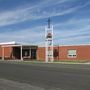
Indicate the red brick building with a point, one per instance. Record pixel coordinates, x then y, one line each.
13 51
74 52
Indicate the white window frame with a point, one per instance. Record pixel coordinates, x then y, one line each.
72 55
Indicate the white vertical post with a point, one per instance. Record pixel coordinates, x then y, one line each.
21 53
2 53
52 59
49 44
46 53
30 53
46 46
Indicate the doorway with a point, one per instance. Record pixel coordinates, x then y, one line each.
16 52
33 54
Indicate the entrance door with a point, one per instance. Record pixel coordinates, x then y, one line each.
33 53
16 52
25 54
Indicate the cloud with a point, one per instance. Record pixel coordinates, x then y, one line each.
36 12
35 35
25 36
72 31
79 33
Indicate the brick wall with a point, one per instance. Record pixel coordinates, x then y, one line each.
41 53
61 52
7 52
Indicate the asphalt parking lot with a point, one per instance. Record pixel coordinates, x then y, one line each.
47 76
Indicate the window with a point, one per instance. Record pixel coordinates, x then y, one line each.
72 53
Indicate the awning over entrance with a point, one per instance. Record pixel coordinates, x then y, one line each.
22 52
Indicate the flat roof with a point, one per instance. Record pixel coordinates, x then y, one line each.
5 43
76 45
14 44
19 45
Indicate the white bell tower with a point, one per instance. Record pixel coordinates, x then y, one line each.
49 42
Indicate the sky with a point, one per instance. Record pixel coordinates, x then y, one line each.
24 21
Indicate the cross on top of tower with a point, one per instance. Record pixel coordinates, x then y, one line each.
49 22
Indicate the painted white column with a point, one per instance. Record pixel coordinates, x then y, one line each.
21 53
46 57
52 58
49 45
2 53
30 53
46 46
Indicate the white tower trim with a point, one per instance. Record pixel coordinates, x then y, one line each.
49 43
